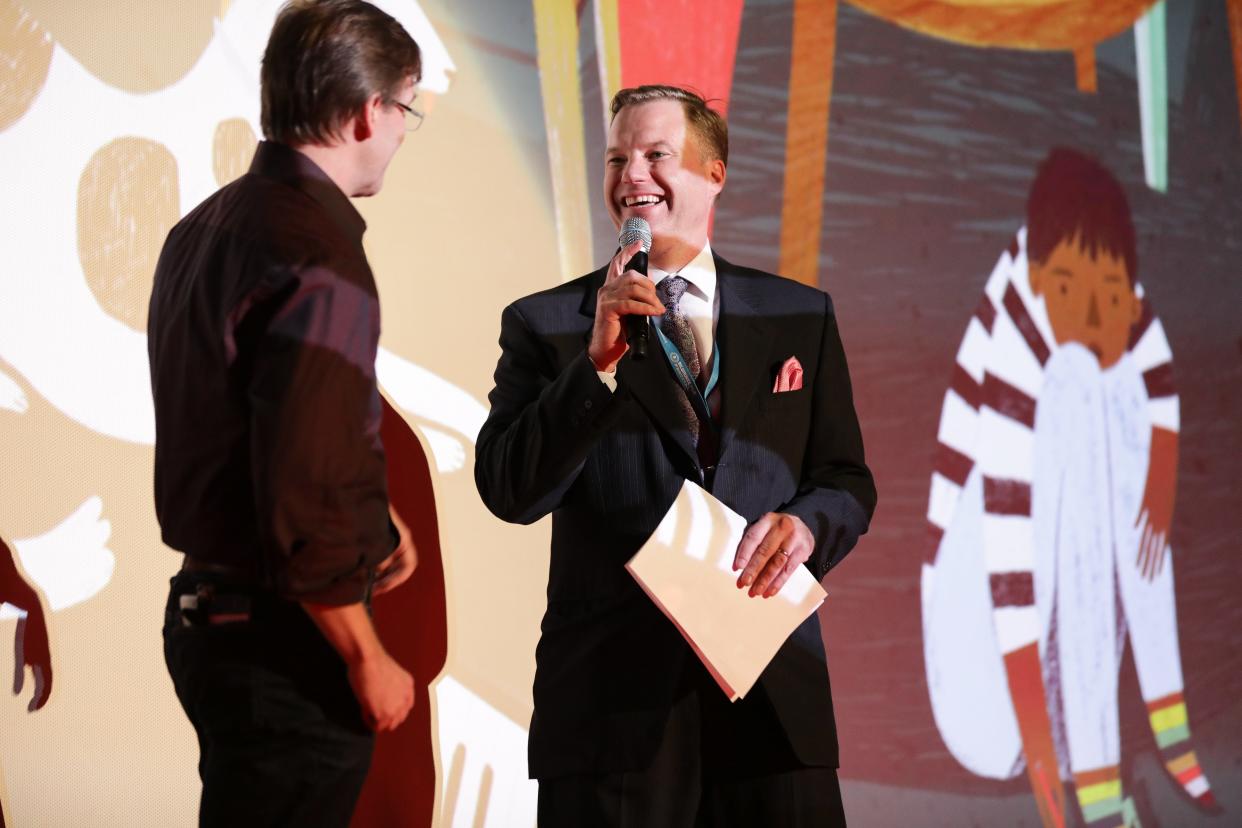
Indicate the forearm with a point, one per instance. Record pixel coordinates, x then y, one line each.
544 422
348 629
1164 450
384 689
319 475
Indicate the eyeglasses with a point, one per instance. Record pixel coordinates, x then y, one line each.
413 118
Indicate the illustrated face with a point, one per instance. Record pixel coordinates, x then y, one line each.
653 170
1089 299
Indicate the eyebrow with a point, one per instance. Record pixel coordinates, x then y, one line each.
662 144
1062 271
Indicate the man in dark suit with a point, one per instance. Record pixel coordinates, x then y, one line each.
629 728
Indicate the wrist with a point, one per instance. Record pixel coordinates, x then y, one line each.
606 362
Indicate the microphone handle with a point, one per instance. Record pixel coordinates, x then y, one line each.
637 327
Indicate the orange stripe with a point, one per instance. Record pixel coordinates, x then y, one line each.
1185 776
1235 35
1165 701
1182 763
1084 68
806 138
1094 777
1045 25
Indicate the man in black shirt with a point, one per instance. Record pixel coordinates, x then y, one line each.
269 472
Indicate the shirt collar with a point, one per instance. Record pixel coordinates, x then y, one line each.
285 164
700 273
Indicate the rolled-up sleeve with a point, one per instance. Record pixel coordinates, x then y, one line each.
318 464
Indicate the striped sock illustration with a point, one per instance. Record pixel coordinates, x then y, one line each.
1099 797
1172 731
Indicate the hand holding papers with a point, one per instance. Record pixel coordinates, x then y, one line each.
686 567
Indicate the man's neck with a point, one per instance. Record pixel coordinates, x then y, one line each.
672 255
336 163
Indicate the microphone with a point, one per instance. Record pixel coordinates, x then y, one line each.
637 328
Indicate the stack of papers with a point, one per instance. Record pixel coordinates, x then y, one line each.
686 567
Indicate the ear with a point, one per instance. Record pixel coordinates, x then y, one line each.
1136 308
716 174
367 118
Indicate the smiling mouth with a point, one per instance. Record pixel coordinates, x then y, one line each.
641 201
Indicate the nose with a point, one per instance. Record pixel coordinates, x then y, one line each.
635 170
1093 312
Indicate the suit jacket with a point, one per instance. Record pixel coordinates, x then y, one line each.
607 466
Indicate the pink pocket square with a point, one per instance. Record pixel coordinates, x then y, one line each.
789 378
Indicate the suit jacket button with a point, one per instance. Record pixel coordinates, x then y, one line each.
587 405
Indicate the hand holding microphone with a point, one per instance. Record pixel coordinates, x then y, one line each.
624 301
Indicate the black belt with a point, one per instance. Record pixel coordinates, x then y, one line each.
226 593
232 572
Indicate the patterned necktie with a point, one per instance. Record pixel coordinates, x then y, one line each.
677 329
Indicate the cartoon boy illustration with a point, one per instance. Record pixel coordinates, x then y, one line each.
1051 503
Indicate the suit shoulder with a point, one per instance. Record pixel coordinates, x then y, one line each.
781 291
558 299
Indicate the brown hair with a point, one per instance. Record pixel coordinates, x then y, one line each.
707 123
324 59
1076 197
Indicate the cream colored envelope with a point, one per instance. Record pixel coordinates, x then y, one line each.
686 567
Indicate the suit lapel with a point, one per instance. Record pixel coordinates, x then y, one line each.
744 341
650 381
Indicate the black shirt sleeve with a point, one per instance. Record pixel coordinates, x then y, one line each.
317 463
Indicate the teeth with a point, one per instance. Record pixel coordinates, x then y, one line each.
631 201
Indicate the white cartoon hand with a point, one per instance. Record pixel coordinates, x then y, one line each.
12 398
71 562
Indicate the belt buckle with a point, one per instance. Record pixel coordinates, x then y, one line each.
205 606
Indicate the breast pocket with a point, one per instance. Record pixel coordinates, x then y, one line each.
786 401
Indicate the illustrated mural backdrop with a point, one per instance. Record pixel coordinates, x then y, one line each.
1029 216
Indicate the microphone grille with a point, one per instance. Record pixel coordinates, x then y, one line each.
635 229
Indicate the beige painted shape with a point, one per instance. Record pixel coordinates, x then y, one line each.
138 46
128 200
232 149
25 54
112 743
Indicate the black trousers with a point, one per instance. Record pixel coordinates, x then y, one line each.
281 737
719 765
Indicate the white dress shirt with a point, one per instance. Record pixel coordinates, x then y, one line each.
700 305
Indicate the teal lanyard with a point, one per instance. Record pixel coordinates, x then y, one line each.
686 380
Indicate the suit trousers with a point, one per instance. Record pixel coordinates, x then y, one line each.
719 765
280 732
